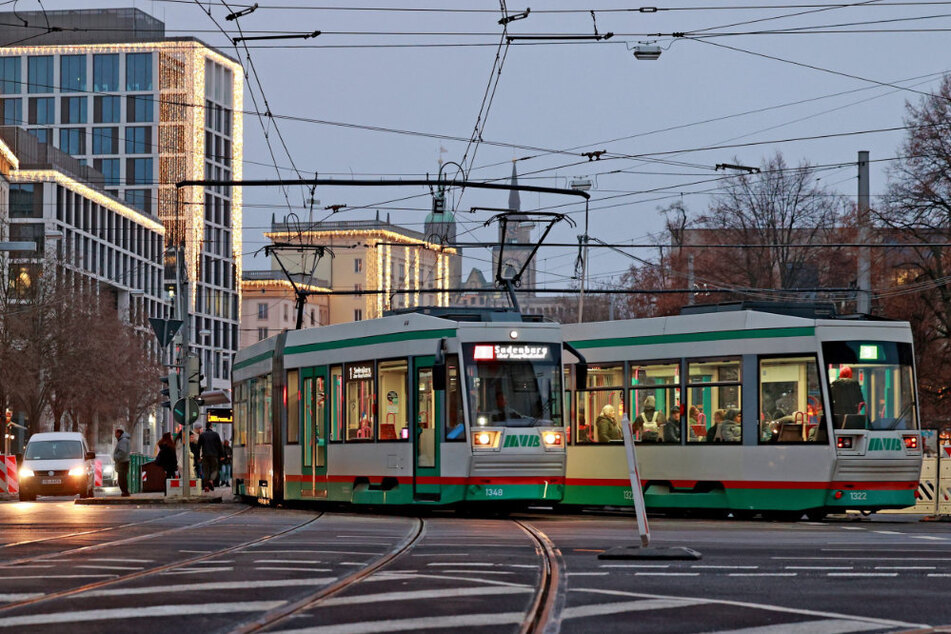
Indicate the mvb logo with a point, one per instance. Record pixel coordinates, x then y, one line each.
521 440
884 444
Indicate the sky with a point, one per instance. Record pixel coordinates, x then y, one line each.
386 92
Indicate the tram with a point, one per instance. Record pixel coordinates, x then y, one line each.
747 411
433 406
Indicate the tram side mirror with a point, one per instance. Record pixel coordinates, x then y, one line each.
439 376
581 377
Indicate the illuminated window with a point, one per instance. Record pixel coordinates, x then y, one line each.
394 422
790 401
655 402
361 401
713 389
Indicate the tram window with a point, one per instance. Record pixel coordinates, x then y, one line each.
240 414
293 408
317 421
790 401
602 376
361 401
598 417
655 402
261 410
714 401
307 399
336 404
454 415
393 405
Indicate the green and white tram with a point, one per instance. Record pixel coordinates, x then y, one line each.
747 411
413 408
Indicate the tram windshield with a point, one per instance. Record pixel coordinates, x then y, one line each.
514 385
871 384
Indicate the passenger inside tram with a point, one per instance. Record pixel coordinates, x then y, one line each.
607 426
650 422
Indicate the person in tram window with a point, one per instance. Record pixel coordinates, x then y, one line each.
672 427
651 421
608 428
846 393
729 430
502 410
715 427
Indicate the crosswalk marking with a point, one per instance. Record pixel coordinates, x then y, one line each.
826 626
19 596
601 609
212 585
146 612
292 569
422 623
410 595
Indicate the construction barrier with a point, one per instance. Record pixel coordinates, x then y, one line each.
8 475
943 494
136 461
98 477
173 487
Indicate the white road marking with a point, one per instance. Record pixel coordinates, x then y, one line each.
123 614
202 552
457 563
588 574
939 574
213 562
286 561
829 626
401 577
929 537
852 528
862 574
441 555
6 598
818 567
353 563
905 567
422 594
712 567
89 576
196 571
20 566
122 560
759 606
212 585
482 572
863 558
426 622
521 566
634 566
889 533
763 574
667 574
600 609
110 567
292 569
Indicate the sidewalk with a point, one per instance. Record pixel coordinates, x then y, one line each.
222 494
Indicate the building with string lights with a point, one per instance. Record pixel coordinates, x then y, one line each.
107 87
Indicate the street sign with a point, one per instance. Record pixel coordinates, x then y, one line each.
178 412
947 450
165 329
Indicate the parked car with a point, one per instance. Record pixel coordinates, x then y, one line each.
108 470
57 463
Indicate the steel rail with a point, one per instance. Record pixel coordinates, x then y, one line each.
280 613
89 532
544 614
143 573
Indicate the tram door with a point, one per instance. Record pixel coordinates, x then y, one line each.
314 445
428 412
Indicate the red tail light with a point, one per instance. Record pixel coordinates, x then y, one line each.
844 442
911 442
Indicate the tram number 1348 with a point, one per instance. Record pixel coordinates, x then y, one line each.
491 492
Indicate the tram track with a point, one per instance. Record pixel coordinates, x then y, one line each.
27 542
156 569
544 613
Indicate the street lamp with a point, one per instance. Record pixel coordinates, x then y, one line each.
645 52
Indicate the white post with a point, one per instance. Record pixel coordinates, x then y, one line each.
640 508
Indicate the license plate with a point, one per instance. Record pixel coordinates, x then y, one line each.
52 481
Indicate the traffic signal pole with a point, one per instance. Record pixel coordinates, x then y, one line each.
182 279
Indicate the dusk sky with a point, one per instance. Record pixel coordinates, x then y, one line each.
380 92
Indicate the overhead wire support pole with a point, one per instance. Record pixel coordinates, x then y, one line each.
291 36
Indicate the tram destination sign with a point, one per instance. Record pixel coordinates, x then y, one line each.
510 352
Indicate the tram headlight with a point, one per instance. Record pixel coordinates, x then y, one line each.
553 439
485 440
843 442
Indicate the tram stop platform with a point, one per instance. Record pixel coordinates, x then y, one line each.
222 494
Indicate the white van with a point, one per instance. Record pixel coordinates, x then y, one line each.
57 463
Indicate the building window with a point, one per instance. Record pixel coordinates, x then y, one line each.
43 135
108 167
138 171
72 110
286 313
140 108
42 111
138 198
262 310
138 140
357 265
12 112
106 109
313 318
105 140
357 314
39 73
105 72
138 71
9 75
21 201
72 73
72 140
262 334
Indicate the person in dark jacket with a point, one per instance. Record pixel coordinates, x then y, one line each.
211 451
121 457
166 458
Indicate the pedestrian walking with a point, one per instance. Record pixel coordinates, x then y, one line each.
211 451
225 475
121 456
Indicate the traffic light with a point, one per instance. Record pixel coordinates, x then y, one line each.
195 377
171 389
439 201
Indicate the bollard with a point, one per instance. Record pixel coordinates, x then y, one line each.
8 475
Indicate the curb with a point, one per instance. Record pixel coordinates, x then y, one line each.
139 501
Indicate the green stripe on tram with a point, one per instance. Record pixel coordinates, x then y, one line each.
687 337
371 340
258 357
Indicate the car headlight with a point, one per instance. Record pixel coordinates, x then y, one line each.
77 471
107 470
26 473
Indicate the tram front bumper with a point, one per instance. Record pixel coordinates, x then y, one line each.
517 477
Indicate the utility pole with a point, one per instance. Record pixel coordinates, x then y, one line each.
863 303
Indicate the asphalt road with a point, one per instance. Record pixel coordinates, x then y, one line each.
228 567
